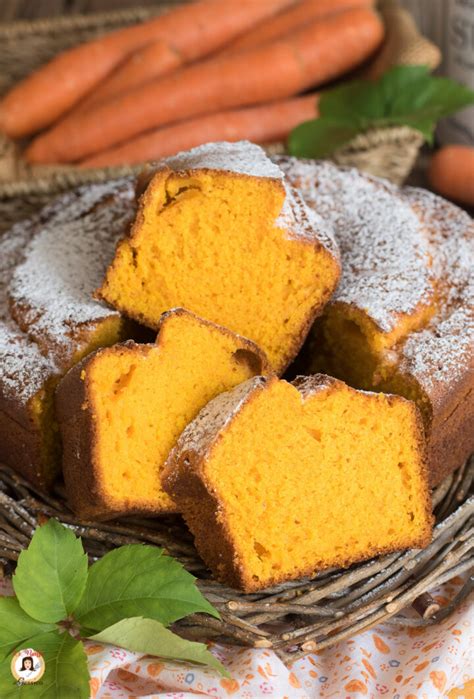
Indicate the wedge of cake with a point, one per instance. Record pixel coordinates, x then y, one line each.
219 231
122 409
279 480
49 267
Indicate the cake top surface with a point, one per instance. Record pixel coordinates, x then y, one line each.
441 353
23 369
49 266
51 288
242 157
384 249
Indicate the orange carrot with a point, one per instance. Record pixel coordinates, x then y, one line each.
192 30
451 173
150 62
157 59
309 57
291 19
263 124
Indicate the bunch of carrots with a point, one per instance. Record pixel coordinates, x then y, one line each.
206 71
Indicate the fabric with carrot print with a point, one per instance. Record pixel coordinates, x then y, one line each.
387 661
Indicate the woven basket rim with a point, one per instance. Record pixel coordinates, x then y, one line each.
19 28
68 177
386 135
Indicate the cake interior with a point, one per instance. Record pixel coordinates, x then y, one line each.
41 405
212 243
143 396
325 481
345 343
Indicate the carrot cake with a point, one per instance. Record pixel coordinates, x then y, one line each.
122 409
402 318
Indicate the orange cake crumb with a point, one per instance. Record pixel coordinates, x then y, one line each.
219 231
122 409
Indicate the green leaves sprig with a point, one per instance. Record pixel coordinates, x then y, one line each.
127 598
403 96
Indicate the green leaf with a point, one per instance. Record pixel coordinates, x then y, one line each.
138 580
352 103
16 626
51 574
149 636
403 96
66 675
319 138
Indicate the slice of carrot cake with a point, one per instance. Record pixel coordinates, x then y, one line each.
277 480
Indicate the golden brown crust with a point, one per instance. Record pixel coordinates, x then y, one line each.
81 467
22 450
451 432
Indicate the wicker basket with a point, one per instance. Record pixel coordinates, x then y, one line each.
294 618
381 151
24 46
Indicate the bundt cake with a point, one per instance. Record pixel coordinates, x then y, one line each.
402 318
49 267
218 231
279 480
122 409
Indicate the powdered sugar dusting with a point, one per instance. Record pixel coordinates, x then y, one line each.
304 222
401 247
51 290
442 353
49 267
241 157
384 250
23 369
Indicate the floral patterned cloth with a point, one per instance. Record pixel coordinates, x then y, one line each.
392 662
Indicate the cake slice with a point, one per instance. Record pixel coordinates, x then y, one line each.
122 409
277 480
219 231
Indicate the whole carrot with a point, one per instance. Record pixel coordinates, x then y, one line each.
192 30
287 21
262 124
308 57
451 173
147 63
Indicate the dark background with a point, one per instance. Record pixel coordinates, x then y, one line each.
31 9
